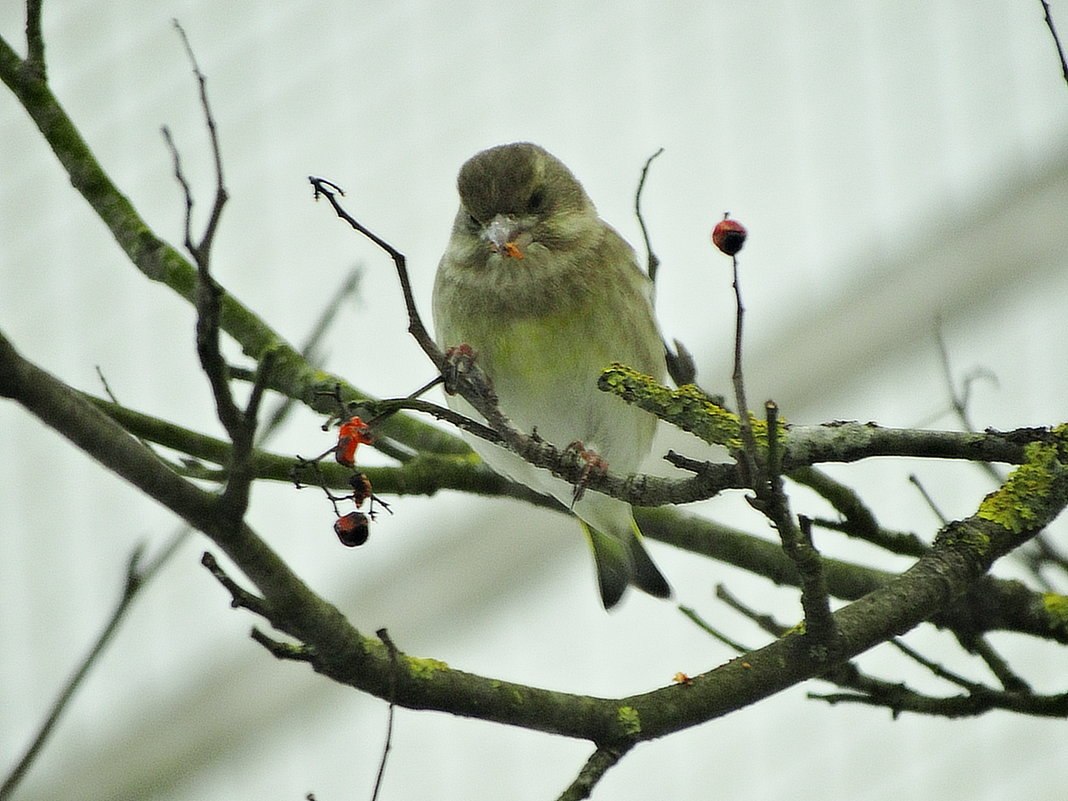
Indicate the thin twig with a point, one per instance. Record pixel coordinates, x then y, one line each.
384 408
960 399
904 543
329 190
593 771
137 576
35 46
220 187
652 260
1010 680
284 650
859 521
766 622
310 349
749 457
915 481
240 424
383 635
898 698
187 192
937 670
240 598
680 362
1056 39
796 537
706 627
1050 555
208 307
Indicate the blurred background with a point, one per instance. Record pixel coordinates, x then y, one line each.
902 168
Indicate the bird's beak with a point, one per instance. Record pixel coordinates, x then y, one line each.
501 234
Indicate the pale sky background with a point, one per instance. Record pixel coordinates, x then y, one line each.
896 163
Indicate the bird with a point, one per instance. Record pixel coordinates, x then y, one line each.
546 295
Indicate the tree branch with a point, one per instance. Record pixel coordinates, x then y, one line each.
962 552
35 46
291 374
136 577
1056 39
593 771
329 190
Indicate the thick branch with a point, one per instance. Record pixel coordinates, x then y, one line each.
994 604
691 410
341 652
960 555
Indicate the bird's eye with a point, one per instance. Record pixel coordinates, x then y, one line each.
536 201
473 221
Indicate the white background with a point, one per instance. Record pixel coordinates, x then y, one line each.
896 163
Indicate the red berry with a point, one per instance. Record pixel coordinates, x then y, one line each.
352 529
351 434
728 236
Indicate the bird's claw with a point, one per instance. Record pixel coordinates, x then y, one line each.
594 464
459 361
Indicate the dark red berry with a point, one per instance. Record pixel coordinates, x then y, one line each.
352 529
729 236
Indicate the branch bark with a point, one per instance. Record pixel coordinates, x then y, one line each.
960 555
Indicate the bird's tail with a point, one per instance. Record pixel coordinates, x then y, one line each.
623 560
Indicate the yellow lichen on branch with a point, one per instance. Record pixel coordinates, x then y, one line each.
1035 490
687 408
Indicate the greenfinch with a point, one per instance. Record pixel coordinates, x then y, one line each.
547 295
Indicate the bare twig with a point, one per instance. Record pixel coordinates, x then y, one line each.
749 457
596 766
284 650
706 627
240 598
1010 680
35 47
1047 554
383 408
680 362
860 521
330 190
208 296
383 635
652 261
310 349
937 669
796 536
1056 39
766 622
900 542
915 481
220 188
240 424
815 599
137 576
899 698
959 399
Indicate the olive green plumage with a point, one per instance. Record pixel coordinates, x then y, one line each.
547 295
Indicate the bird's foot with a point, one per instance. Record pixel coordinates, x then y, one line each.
593 464
459 362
